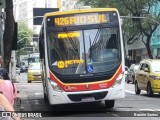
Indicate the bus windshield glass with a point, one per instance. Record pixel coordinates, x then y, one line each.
84 51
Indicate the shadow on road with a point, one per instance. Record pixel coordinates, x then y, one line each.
76 110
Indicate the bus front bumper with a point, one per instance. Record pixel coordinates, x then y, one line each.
86 96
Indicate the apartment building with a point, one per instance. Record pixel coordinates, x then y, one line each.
155 40
23 10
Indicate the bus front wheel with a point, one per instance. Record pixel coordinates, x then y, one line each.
109 103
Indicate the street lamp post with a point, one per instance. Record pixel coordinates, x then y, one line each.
23 20
24 38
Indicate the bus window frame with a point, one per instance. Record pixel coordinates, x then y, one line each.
82 27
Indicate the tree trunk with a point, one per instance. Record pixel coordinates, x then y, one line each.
148 48
8 33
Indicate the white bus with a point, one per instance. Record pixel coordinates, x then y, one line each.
82 56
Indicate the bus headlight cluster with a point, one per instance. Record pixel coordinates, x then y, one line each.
55 86
118 80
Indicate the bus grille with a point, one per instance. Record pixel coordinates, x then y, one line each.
79 97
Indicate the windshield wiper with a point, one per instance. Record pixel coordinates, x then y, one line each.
71 41
90 50
97 35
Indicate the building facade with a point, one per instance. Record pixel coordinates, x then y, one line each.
137 51
23 10
155 40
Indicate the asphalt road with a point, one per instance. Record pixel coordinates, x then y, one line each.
130 108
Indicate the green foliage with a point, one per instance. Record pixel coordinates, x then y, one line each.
95 3
132 27
24 37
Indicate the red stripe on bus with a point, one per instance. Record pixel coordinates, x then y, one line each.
75 87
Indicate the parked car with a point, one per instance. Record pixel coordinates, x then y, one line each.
148 77
18 70
131 73
34 72
126 72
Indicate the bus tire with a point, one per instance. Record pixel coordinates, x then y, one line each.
29 81
109 103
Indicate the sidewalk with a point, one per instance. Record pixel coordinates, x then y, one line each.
22 101
28 97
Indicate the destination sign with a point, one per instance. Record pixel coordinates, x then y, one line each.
69 34
81 19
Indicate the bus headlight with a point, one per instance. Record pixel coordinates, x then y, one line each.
118 80
55 86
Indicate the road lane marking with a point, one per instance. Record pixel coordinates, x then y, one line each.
146 110
38 93
128 91
115 115
156 110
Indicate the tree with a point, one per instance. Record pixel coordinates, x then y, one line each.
24 37
8 33
144 27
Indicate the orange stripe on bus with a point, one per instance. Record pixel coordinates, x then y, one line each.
74 87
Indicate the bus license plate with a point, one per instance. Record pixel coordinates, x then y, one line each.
88 99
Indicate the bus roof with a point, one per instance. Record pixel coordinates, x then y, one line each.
80 11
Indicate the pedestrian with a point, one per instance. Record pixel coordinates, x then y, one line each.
3 71
8 89
7 107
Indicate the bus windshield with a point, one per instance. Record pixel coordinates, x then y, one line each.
84 51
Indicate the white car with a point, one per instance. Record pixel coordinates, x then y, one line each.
18 70
131 73
126 71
